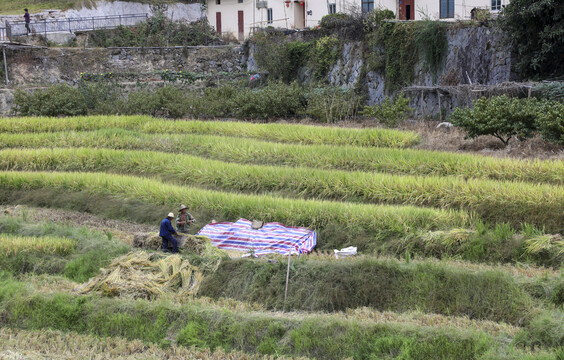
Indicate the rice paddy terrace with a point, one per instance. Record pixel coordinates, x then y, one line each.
459 255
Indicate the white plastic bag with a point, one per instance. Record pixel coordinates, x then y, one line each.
349 251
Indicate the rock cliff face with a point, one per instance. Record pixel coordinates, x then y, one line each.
476 56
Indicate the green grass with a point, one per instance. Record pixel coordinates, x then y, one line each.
351 158
382 284
285 133
191 325
319 336
494 201
378 220
79 256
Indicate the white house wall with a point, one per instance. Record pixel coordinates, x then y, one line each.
285 16
426 9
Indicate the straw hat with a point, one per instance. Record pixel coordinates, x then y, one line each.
182 207
170 215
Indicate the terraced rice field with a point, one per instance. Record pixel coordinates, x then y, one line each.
460 255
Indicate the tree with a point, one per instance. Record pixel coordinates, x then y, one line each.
500 116
535 30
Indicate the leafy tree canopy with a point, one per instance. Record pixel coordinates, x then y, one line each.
535 29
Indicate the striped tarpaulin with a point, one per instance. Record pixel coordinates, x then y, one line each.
270 238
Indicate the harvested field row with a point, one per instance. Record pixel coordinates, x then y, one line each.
377 219
493 201
51 284
192 325
497 243
285 133
12 245
46 344
393 161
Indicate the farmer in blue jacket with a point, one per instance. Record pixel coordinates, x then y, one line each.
166 233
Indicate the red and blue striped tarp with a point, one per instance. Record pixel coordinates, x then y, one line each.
270 238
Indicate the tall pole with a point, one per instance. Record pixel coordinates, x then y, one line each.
287 278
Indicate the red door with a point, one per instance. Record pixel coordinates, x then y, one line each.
218 22
406 9
241 25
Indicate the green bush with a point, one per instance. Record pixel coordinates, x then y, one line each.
274 100
56 100
499 116
325 53
330 104
389 112
166 101
344 26
550 91
550 121
280 58
374 19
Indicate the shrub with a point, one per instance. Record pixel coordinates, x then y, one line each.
56 100
499 116
373 19
390 112
167 101
345 26
274 100
333 104
550 91
325 53
282 59
550 121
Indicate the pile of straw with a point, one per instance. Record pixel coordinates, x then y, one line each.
146 275
154 242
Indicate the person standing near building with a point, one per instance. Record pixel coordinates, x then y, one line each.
166 233
27 19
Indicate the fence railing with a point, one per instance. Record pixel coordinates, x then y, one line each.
72 25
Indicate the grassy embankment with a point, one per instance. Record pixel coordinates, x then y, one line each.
320 336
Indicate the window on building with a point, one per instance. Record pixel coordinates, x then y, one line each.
240 1
496 4
447 8
217 2
269 15
332 8
367 5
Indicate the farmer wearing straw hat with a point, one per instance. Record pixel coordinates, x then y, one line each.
166 233
184 219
